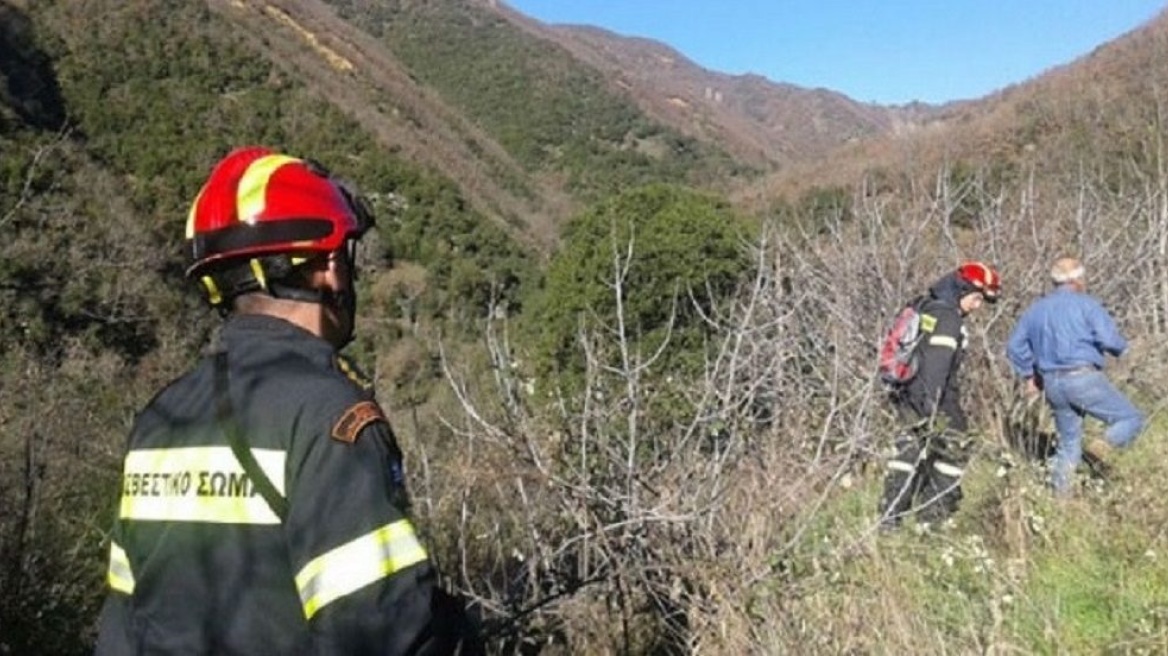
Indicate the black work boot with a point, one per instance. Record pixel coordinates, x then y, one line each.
899 490
940 493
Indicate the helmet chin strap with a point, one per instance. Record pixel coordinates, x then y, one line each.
345 302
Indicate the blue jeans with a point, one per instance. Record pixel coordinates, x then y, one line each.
1076 395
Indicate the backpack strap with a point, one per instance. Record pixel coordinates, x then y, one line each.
225 416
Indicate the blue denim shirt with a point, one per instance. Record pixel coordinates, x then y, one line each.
1063 330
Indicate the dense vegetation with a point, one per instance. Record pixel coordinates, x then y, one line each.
676 251
664 436
548 110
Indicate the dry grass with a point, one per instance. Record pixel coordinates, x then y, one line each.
724 534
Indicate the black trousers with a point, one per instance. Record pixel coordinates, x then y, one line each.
924 477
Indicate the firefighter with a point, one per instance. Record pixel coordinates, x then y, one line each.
925 474
263 508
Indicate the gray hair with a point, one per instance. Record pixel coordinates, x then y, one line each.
1066 269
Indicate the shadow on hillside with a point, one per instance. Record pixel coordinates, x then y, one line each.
28 83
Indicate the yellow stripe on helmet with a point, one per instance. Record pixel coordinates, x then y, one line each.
191 215
251 195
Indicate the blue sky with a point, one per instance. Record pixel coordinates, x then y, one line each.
883 51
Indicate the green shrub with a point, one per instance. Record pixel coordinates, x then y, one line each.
675 252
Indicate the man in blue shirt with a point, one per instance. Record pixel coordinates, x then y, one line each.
1058 346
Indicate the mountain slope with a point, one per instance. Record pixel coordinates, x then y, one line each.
761 122
1100 107
357 75
556 115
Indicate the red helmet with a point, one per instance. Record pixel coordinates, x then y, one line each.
258 203
982 278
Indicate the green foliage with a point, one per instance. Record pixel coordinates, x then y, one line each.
1094 597
543 106
671 252
815 210
473 264
163 91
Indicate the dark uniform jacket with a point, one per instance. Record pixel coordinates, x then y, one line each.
934 392
200 563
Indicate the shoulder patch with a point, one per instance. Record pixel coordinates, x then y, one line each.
357 417
928 323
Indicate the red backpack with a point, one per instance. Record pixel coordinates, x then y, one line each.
898 352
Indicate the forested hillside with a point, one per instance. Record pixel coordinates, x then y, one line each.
554 114
767 124
630 361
